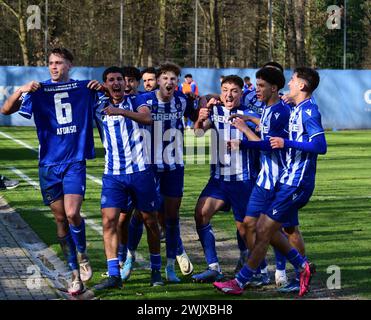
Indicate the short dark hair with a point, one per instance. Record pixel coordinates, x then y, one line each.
168 66
272 76
112 69
310 75
233 79
149 70
130 71
246 78
274 65
63 52
188 75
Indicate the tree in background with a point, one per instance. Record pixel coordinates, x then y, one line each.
231 33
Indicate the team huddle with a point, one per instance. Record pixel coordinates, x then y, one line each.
263 147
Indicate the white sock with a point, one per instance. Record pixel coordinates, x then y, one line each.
280 273
265 270
215 266
131 254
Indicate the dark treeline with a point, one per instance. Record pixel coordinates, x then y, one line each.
230 33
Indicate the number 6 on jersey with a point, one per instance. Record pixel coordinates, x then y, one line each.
63 111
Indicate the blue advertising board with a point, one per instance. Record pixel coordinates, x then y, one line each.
343 96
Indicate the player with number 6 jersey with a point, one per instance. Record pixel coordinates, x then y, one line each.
63 119
63 113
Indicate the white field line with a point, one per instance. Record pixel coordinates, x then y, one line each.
27 146
18 141
99 182
25 177
33 183
18 172
90 222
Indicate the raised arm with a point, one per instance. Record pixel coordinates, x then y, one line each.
13 103
202 124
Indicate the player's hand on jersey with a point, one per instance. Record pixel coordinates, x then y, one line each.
95 85
239 123
203 114
286 99
277 142
112 111
212 102
233 144
30 87
240 116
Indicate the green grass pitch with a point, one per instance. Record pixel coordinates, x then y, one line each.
335 224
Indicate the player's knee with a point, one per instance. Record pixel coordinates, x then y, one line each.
109 223
250 225
289 230
150 221
201 216
263 231
61 220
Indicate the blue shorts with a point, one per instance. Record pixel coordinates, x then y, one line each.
61 179
170 183
259 202
235 194
287 202
130 190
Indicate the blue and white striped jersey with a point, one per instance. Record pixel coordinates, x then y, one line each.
304 124
167 129
122 138
229 165
250 100
273 123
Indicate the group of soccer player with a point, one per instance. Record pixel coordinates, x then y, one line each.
264 149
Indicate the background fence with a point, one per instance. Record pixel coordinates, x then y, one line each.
327 34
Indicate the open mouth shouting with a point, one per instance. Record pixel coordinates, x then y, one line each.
169 89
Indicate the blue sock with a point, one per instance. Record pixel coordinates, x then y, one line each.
135 233
280 260
69 251
297 270
263 264
207 239
78 236
172 237
295 258
113 267
155 260
121 252
180 248
245 274
240 242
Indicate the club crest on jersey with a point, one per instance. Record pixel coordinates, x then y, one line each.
308 112
276 115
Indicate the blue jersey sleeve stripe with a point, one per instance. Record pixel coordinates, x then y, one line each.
316 134
25 114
